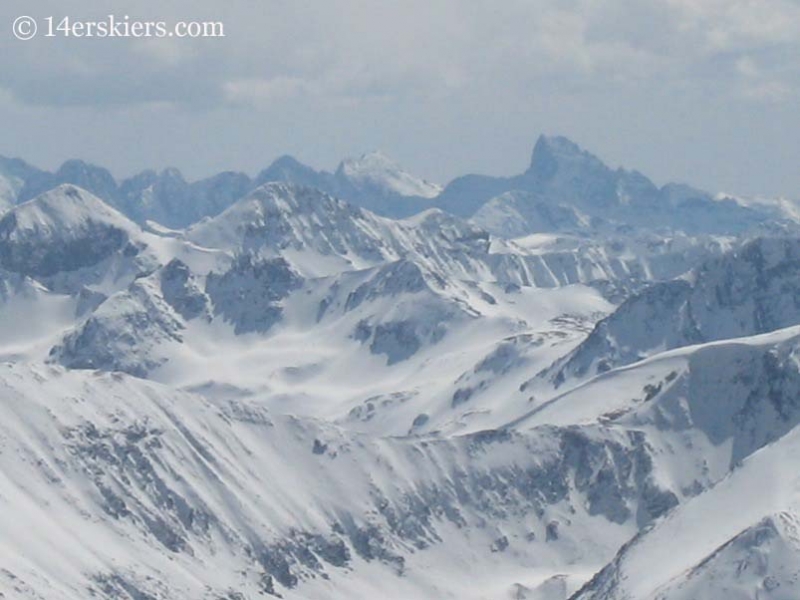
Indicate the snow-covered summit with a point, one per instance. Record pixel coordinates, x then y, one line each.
351 406
66 208
376 172
69 238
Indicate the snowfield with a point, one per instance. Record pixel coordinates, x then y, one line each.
568 384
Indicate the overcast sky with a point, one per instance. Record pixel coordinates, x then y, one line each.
702 91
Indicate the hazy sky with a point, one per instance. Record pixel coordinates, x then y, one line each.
703 91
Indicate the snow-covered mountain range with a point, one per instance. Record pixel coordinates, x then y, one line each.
565 385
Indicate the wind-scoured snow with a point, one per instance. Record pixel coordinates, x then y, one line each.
330 385
747 291
377 173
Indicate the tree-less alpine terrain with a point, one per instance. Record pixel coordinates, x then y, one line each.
566 384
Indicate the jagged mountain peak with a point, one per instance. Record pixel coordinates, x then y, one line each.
171 173
89 176
552 153
140 179
287 161
72 165
279 216
16 167
557 144
287 168
746 291
288 197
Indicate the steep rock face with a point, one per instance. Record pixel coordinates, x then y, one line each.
163 197
745 292
14 172
63 230
402 277
320 235
172 485
182 291
410 310
167 198
740 538
564 170
561 173
249 294
128 333
96 180
279 217
287 169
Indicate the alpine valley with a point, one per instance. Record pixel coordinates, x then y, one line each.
566 384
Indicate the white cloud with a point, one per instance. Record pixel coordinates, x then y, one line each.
363 73
258 92
417 48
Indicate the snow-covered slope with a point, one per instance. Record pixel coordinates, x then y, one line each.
376 172
517 214
563 174
320 235
296 396
7 194
726 399
62 231
747 291
373 181
740 539
150 493
713 414
563 183
189 496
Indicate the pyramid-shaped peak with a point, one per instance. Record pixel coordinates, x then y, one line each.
63 208
288 168
558 144
552 152
286 161
75 166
